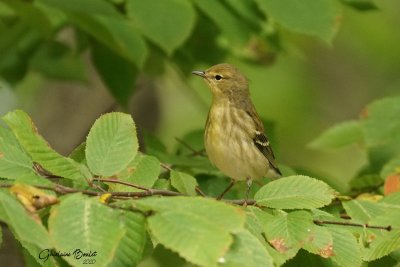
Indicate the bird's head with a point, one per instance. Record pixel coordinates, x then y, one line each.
225 80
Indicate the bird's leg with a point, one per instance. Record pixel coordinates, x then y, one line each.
226 190
248 183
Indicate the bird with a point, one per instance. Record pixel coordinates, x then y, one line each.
234 136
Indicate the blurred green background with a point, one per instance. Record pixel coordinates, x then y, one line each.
65 63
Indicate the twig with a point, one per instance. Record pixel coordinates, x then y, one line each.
165 166
68 190
250 202
387 228
198 190
120 182
194 151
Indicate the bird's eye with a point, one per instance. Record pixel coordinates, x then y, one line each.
218 77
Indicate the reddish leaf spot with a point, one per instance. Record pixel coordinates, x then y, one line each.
370 238
392 184
1 154
279 244
327 251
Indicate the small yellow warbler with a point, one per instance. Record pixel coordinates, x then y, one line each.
234 136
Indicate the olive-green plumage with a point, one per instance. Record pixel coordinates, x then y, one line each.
234 137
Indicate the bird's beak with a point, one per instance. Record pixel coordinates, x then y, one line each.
200 73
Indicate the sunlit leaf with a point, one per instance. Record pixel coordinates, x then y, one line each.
131 247
77 221
287 232
346 251
32 235
111 144
14 161
40 151
382 246
320 242
247 250
295 192
198 229
143 170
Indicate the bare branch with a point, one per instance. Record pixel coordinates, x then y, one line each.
115 181
387 228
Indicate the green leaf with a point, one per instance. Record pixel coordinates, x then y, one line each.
230 25
32 16
382 125
120 35
143 170
345 248
295 192
254 221
363 210
40 151
174 23
198 229
340 135
390 205
58 61
247 250
111 144
14 162
17 45
246 10
116 72
320 242
32 235
287 232
183 182
226 216
84 223
382 246
318 18
131 247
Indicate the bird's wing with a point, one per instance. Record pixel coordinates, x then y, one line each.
261 140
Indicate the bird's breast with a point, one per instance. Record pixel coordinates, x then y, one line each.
229 145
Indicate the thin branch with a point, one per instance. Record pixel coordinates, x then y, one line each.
194 151
198 190
120 182
68 190
240 202
165 166
60 189
387 228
